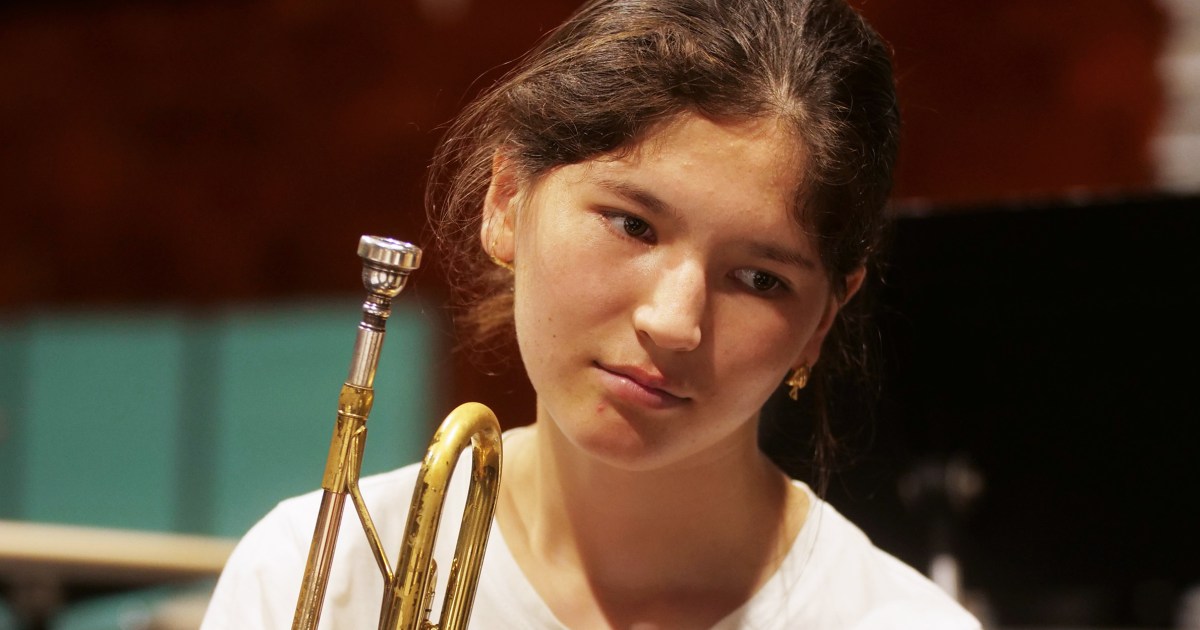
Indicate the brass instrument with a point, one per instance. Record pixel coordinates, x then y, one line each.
408 591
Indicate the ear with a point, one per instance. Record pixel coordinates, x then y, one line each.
500 211
812 350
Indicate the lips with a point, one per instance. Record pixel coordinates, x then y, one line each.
641 387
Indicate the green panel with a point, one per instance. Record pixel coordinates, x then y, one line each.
102 400
196 446
8 620
12 460
278 376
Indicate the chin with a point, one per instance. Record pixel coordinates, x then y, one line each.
624 447
619 444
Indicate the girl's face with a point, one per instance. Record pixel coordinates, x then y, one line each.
662 295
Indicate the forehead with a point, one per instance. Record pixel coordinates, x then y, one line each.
763 149
745 168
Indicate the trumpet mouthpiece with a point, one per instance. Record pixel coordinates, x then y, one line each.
386 264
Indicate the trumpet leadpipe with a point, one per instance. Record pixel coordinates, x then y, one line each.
386 266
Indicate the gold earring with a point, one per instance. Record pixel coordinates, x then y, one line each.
500 263
797 380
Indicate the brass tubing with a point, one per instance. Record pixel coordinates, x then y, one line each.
364 516
471 424
473 533
342 463
320 556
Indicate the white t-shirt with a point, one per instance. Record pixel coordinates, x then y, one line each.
833 578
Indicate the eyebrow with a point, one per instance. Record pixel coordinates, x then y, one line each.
785 256
655 205
640 196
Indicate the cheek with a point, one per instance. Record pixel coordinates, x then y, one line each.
563 288
760 368
562 263
758 346
563 312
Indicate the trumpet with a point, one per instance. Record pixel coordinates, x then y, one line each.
409 588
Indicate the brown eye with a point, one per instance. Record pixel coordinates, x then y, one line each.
764 281
630 225
635 227
760 281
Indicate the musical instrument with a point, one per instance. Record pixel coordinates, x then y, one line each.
409 589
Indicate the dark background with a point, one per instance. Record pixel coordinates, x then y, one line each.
1048 346
1034 310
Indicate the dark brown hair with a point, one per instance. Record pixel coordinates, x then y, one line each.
617 68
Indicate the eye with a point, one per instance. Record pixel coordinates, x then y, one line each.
635 227
631 226
758 280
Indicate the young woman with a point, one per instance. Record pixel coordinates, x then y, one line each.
669 202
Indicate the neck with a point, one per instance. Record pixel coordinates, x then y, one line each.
724 519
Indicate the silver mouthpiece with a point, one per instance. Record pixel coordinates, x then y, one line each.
386 264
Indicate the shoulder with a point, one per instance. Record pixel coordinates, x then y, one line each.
843 580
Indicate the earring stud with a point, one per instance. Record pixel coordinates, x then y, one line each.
797 380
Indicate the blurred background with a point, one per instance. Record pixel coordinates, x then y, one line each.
182 186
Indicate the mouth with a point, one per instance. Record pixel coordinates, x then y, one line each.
640 387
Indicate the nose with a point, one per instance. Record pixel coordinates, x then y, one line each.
672 314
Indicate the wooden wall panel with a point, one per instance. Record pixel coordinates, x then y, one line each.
197 152
1023 98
